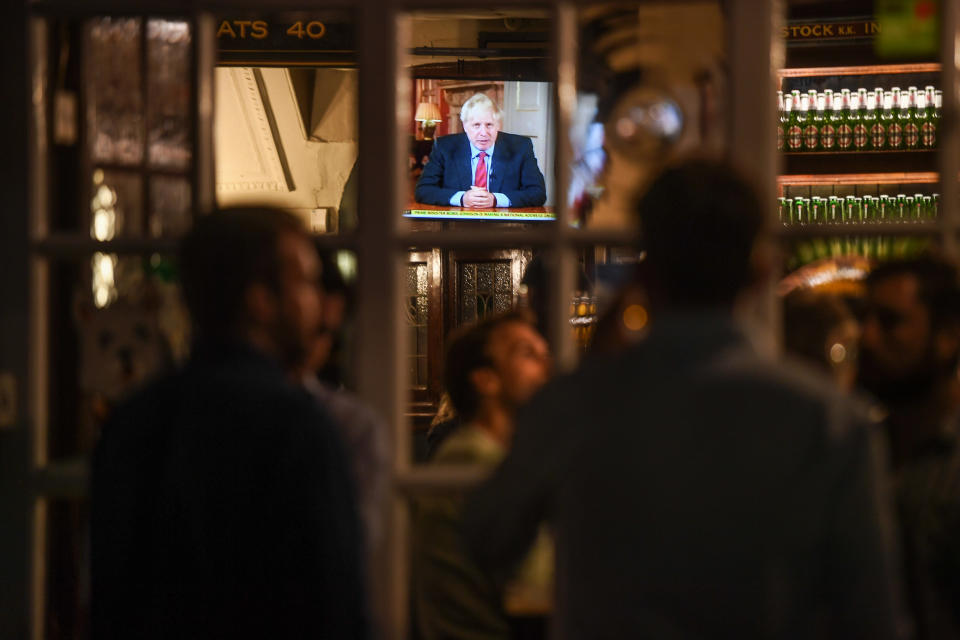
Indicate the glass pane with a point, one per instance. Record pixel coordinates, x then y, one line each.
67 579
497 68
115 321
114 91
170 206
858 128
650 82
116 204
412 271
485 277
825 202
285 127
169 93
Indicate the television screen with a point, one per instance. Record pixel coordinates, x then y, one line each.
447 182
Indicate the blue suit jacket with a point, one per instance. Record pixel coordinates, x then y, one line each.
515 172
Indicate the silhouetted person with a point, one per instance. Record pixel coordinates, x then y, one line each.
222 505
909 354
491 369
696 489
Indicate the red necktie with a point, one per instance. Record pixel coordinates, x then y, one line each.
480 180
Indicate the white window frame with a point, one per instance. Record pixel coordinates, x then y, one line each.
381 242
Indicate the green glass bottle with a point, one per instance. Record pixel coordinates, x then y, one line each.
928 212
782 210
861 137
802 210
900 208
816 210
834 118
903 118
845 129
781 120
794 134
805 123
836 210
883 209
892 128
935 206
911 130
875 129
813 132
870 209
928 123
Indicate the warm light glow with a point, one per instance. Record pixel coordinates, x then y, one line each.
103 267
101 296
838 353
635 317
106 196
427 112
347 262
103 226
102 229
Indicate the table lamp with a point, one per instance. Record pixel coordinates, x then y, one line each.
429 114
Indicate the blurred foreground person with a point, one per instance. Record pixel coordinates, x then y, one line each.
910 350
696 489
819 329
491 369
363 432
222 505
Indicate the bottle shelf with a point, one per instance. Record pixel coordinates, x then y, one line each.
924 228
862 162
860 70
890 177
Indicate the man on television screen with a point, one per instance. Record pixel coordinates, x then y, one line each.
482 168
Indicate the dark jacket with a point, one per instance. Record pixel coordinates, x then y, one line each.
222 508
698 491
515 172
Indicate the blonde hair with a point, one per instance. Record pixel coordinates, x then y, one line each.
478 102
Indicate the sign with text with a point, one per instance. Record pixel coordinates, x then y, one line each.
820 31
294 40
485 214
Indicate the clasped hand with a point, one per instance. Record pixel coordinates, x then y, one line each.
479 198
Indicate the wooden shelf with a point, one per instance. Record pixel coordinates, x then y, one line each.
860 162
860 70
925 228
920 177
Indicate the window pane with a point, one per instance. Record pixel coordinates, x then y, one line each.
169 93
286 132
170 206
456 59
114 321
116 204
650 85
114 92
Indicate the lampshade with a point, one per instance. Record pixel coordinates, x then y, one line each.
427 112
